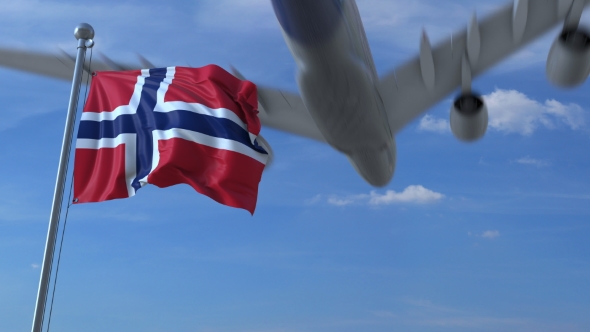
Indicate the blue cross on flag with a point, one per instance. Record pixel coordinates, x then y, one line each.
167 126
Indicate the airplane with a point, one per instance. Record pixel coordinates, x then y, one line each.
343 101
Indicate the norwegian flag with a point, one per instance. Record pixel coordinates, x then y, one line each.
167 126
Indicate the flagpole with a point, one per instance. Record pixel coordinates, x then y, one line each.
84 34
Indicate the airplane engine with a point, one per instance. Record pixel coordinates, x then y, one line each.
568 63
469 117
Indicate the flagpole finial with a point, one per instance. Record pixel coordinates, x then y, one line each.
84 31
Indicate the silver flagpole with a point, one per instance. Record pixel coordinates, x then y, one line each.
84 34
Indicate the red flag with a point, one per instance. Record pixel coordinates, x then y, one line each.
167 126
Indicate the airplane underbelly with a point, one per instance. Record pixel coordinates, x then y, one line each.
336 86
343 103
345 106
308 22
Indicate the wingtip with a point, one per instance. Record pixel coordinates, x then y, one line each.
424 36
145 63
66 55
236 72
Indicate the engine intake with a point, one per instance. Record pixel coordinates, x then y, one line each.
469 117
568 63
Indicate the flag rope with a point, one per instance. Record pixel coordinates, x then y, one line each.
63 231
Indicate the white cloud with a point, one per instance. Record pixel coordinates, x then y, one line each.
430 123
490 234
429 306
313 200
414 194
531 161
347 200
35 266
512 111
340 201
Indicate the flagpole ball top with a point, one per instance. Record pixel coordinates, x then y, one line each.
84 31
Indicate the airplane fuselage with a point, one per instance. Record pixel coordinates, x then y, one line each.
337 81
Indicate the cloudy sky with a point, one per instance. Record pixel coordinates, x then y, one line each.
471 237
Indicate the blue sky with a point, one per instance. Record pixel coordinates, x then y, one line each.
467 237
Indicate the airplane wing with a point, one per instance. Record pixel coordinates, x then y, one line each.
55 65
407 91
285 111
279 109
414 87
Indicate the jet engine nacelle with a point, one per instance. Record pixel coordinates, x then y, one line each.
568 63
469 117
